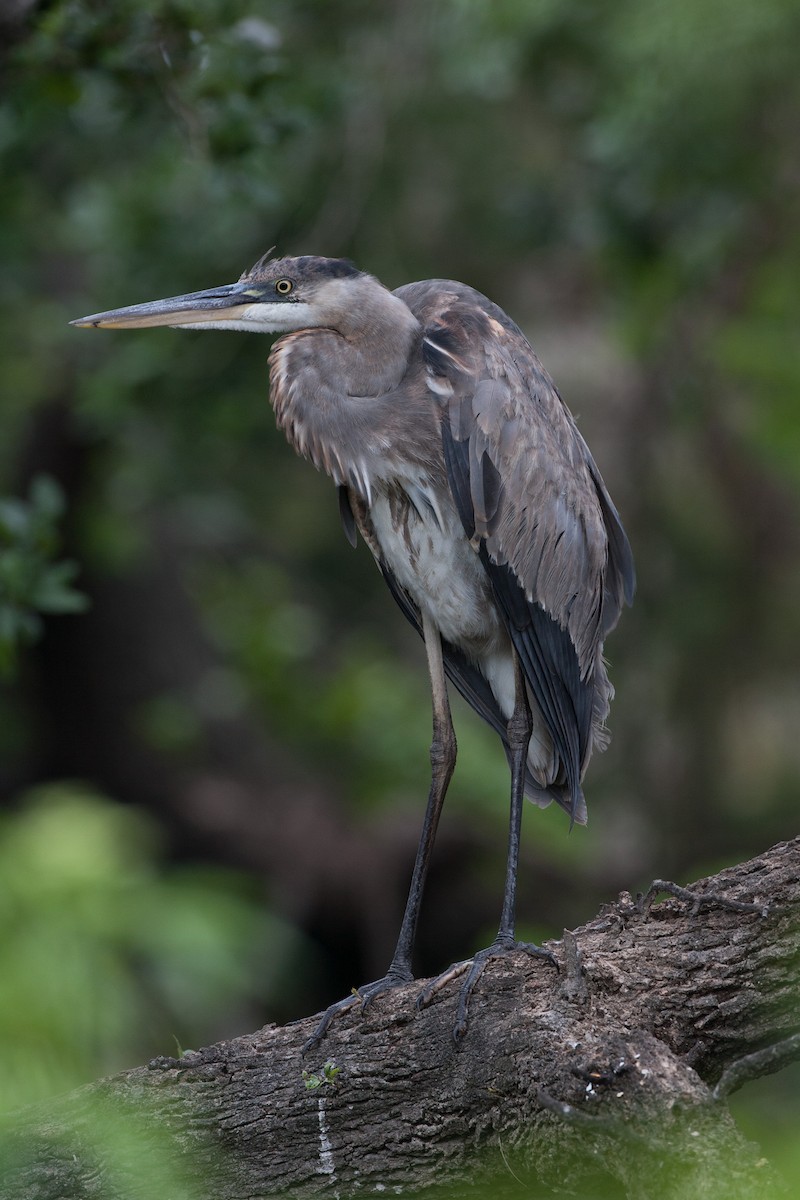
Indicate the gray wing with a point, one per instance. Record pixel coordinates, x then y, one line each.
532 502
463 674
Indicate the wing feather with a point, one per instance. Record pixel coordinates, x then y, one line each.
533 504
346 515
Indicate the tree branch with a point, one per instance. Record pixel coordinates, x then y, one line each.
603 1070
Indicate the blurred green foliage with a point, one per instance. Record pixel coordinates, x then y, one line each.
132 1151
622 176
108 957
31 583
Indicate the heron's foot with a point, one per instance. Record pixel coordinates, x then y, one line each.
644 902
473 968
361 998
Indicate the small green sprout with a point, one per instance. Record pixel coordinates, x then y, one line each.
313 1080
181 1052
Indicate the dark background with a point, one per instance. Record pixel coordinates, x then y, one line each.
621 176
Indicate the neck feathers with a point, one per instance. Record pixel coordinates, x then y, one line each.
332 386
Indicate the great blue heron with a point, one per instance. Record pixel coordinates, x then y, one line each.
462 469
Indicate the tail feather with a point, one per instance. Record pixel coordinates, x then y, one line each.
575 807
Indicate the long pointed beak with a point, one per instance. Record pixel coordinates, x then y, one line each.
227 303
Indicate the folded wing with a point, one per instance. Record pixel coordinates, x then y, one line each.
534 506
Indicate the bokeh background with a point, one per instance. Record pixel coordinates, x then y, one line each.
214 722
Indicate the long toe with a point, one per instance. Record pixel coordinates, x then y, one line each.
535 952
435 985
333 1010
360 998
474 968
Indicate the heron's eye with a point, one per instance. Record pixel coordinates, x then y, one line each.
283 287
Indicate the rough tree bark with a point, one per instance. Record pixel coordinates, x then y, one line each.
594 1079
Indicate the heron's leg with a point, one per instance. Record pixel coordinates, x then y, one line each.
443 761
520 727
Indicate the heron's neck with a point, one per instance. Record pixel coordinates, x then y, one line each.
373 330
333 389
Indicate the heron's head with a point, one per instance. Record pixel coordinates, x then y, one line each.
277 295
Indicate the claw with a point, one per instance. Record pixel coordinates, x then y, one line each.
334 1010
475 967
362 996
